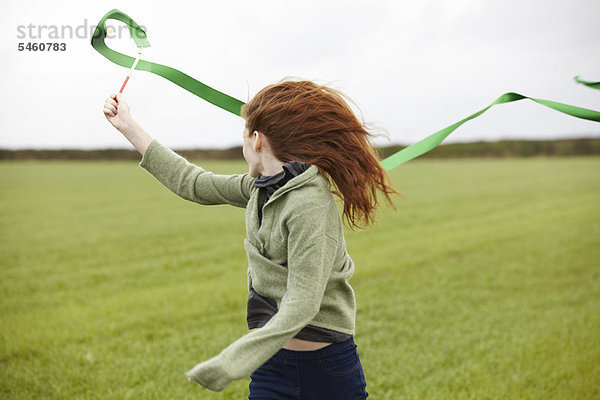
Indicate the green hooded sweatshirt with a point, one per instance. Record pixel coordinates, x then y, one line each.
297 257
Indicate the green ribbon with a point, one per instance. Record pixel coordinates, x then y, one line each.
593 85
234 106
432 141
177 77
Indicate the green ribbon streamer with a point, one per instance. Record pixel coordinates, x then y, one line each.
593 85
234 106
177 77
432 141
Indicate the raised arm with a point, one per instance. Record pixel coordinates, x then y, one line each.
310 261
183 178
192 182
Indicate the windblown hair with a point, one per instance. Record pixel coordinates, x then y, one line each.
313 123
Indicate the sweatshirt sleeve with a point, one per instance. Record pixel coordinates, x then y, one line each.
192 182
310 261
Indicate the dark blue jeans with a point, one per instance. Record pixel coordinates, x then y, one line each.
331 373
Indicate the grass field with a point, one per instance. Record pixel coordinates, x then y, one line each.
484 284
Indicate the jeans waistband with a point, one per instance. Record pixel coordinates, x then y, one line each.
316 354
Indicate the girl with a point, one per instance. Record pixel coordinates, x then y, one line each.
302 143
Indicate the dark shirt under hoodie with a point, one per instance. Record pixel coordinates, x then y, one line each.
260 309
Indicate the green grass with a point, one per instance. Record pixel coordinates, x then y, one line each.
484 284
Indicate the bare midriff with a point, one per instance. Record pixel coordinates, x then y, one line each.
304 345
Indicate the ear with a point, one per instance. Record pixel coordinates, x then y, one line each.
257 138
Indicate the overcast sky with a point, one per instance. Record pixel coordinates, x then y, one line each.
413 67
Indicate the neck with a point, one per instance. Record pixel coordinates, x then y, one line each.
271 166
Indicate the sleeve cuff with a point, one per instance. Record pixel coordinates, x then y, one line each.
210 375
148 153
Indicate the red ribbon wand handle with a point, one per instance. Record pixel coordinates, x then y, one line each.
132 69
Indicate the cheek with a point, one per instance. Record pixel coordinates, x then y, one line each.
245 153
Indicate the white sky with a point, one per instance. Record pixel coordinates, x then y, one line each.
413 67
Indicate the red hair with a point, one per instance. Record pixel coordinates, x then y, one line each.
308 122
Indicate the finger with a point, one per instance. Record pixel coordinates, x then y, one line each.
108 112
110 103
111 107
